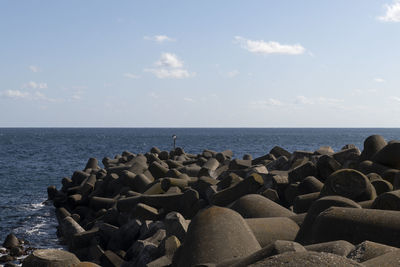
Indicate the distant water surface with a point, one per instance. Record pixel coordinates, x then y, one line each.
33 158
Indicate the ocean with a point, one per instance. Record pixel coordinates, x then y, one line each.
33 158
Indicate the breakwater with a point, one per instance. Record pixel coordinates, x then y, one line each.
172 207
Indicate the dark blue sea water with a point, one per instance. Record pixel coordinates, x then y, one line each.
33 158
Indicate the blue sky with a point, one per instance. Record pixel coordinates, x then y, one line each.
200 63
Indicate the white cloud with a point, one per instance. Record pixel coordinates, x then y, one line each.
169 60
303 100
270 102
379 80
159 38
131 75
395 98
317 100
154 95
35 85
170 73
392 12
169 66
34 68
15 94
43 97
271 47
188 99
233 73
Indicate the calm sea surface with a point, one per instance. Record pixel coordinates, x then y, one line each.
33 158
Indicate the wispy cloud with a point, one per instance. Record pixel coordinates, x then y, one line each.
271 47
268 103
379 80
392 12
159 38
34 68
154 95
233 73
131 75
317 100
35 85
169 66
395 98
170 73
14 94
17 94
188 99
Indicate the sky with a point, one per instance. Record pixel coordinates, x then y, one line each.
200 63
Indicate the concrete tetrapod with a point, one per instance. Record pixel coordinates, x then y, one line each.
258 206
268 230
389 155
50 258
304 236
349 183
308 258
214 235
358 225
372 144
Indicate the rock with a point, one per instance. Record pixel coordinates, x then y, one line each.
300 172
249 185
268 230
358 225
214 235
50 258
6 258
389 155
11 241
324 150
368 166
351 154
278 247
387 201
257 206
303 202
304 236
368 250
385 260
381 186
349 183
110 259
326 165
239 164
310 185
51 192
308 258
278 151
176 225
338 247
16 252
372 145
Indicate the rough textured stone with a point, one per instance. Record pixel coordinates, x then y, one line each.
372 144
357 225
50 258
308 258
385 260
368 250
389 155
387 201
338 247
214 235
349 183
258 206
268 230
304 235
